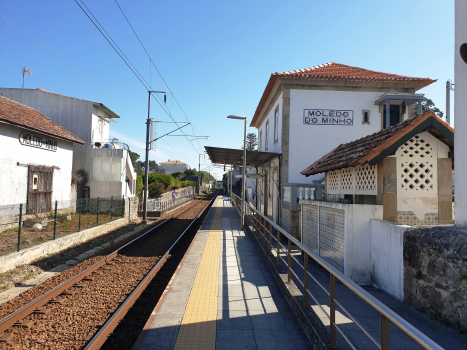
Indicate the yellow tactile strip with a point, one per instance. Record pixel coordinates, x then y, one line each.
198 327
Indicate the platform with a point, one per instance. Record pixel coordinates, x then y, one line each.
223 296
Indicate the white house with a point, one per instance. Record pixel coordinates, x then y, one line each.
172 166
107 161
36 159
306 113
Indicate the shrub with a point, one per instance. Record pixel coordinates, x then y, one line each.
156 189
167 180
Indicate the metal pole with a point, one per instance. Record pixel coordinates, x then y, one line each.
243 179
231 180
55 219
388 114
305 281
289 261
145 194
97 210
384 333
19 227
79 218
448 101
332 313
111 205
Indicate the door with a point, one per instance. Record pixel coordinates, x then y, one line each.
40 184
274 197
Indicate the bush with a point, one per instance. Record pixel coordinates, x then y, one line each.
156 189
139 186
167 180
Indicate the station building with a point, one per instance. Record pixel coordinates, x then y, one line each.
106 161
306 113
36 160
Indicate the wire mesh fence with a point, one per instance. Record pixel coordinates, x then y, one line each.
23 226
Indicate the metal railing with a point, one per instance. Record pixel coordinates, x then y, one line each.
166 201
111 145
268 231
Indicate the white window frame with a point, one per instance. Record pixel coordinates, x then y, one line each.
260 139
266 146
363 117
105 173
276 125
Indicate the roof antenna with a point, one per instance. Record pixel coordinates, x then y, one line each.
26 70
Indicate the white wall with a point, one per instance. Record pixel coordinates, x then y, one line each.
272 146
387 257
357 236
172 168
308 143
460 111
14 178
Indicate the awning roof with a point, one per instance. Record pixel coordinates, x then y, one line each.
231 156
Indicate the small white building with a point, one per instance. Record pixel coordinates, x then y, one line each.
172 166
106 161
306 113
36 159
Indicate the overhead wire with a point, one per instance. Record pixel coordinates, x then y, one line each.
157 69
66 65
125 59
82 77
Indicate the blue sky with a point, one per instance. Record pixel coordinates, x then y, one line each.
216 56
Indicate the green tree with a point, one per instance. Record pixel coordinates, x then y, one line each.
429 104
251 141
190 172
152 165
134 157
177 175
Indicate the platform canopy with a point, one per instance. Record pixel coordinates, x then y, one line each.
232 156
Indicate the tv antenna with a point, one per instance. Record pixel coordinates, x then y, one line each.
26 70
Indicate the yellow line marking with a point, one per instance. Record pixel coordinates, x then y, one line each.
198 327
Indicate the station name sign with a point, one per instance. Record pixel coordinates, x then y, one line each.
37 142
328 117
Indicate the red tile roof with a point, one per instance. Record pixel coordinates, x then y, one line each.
18 114
335 71
367 148
173 162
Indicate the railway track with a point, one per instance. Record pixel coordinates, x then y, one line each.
81 312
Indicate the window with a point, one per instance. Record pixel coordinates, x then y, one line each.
260 139
394 115
276 125
365 117
267 136
106 169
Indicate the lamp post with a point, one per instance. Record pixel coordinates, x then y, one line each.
244 168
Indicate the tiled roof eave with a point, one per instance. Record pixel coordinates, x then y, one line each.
27 127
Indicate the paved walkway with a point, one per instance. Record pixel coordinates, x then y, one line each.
223 296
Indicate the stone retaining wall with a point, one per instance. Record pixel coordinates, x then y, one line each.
435 272
25 256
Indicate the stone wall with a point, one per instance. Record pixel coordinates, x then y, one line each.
131 208
435 272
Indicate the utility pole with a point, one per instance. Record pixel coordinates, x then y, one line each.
146 170
200 178
449 87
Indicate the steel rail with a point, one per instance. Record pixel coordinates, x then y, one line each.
100 337
29 308
407 328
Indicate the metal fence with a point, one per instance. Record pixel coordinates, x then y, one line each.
20 227
271 235
166 200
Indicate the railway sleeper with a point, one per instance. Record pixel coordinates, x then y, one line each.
41 311
6 338
24 324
